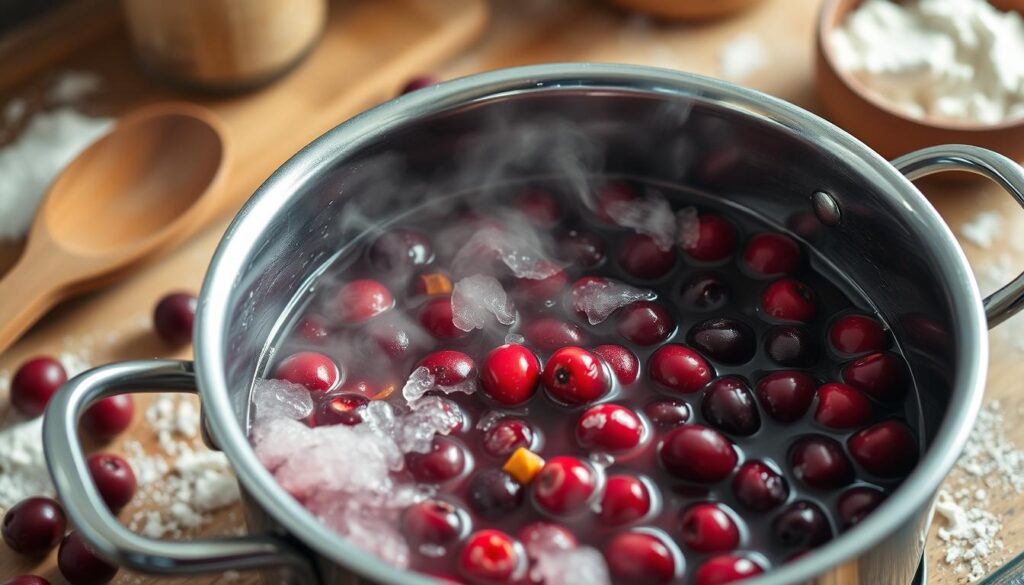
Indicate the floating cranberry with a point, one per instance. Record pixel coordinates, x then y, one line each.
726 569
613 199
507 435
314 370
564 486
705 292
35 382
401 249
642 257
623 362
417 83
645 323
856 503
449 367
668 413
583 249
715 239
610 428
626 499
789 300
772 254
546 537
855 334
786 396
819 462
540 207
173 317
361 300
341 409
108 417
801 525
679 368
881 375
729 405
509 374
114 479
432 522
493 493
26 580
640 558
725 340
841 407
541 290
390 338
887 449
794 347
697 453
34 526
549 334
759 487
445 461
573 375
491 556
80 565
707 527
313 328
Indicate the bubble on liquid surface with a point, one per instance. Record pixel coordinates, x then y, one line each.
477 299
280 399
651 216
688 227
599 298
520 251
583 565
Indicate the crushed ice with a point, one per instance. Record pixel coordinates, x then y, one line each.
599 298
522 252
280 399
422 381
477 298
651 216
583 565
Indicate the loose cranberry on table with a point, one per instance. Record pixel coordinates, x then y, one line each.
697 453
725 340
108 417
626 499
856 334
545 537
819 462
314 370
786 395
641 558
582 249
493 493
445 461
705 292
401 249
623 362
173 317
642 257
887 449
772 254
729 405
715 239
791 346
507 435
667 413
549 334
449 367
432 522
33 527
564 486
34 383
758 487
80 565
881 375
114 479
417 83
340 409
679 369
491 556
539 206
789 300
436 317
612 198
707 527
609 427
645 323
509 374
26 580
801 525
856 503
361 300
574 375
726 569
841 407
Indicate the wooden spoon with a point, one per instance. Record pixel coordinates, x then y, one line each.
143 186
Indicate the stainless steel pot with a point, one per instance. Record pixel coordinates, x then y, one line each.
859 212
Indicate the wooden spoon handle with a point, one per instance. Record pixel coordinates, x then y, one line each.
26 294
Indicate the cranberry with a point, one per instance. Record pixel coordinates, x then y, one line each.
491 557
789 300
726 340
609 427
679 369
613 198
772 254
668 413
697 453
510 373
549 334
449 367
623 362
786 396
507 435
626 499
841 407
729 405
108 417
493 493
645 323
315 371
726 569
791 346
540 207
801 525
363 299
313 328
341 409
854 334
819 462
640 558
545 537
856 503
564 486
716 239
541 290
705 292
436 317
401 249
443 462
114 479
707 527
641 257
887 449
34 526
390 338
80 565
34 383
583 249
881 375
420 82
573 375
26 580
433 522
173 317
759 487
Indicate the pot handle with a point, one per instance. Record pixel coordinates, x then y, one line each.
89 513
1007 301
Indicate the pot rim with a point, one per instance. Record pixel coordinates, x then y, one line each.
308 165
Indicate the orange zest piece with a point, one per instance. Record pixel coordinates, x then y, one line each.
435 283
385 393
523 465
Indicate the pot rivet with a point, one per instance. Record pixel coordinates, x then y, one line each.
826 208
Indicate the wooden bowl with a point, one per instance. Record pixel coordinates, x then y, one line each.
851 105
686 9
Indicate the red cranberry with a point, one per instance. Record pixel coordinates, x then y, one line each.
443 462
641 257
887 449
509 374
108 417
854 334
507 435
789 300
726 340
819 462
726 569
491 556
564 486
772 254
401 249
881 375
640 558
573 375
390 338
26 580
707 527
679 369
420 82
80 565
801 525
668 413
173 317
716 239
549 334
609 427
583 249
34 526
341 409
645 323
626 499
623 362
786 396
792 347
34 383
856 503
540 207
612 197
313 328
759 487
114 479
315 371
705 292
449 367
432 522
436 317
363 299
493 493
545 537
841 407
697 453
729 405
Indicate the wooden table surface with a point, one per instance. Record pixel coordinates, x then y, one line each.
111 324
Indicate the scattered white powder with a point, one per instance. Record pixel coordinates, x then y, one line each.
72 86
23 470
743 56
983 229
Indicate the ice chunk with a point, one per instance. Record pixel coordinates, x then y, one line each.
371 527
651 216
475 299
430 416
277 439
421 381
515 338
688 227
520 250
342 459
584 565
280 399
598 298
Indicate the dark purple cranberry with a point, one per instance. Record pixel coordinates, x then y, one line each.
641 558
443 462
401 249
34 526
507 435
492 493
114 479
341 409
819 462
173 317
801 525
697 453
645 323
856 503
841 407
725 340
668 413
621 360
786 396
417 83
887 449
539 206
26 580
707 527
34 383
793 347
729 405
705 292
108 417
549 334
583 249
641 257
80 565
881 375
759 487
433 522
856 334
